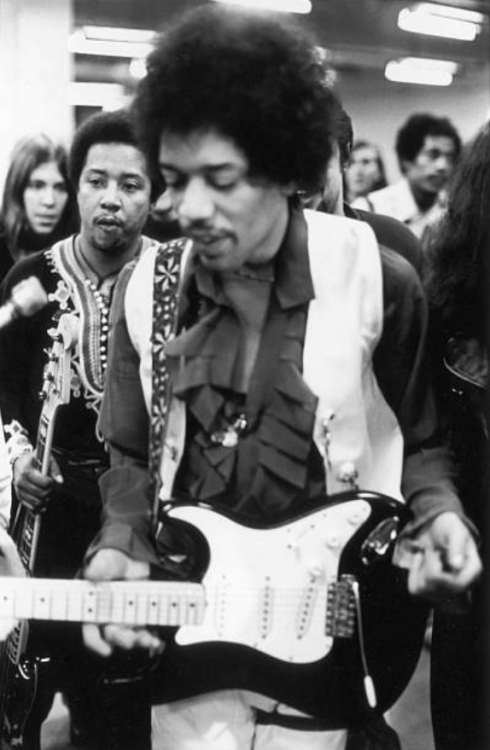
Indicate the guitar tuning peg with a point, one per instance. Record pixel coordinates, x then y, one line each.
42 395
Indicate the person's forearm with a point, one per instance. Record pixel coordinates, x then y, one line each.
126 509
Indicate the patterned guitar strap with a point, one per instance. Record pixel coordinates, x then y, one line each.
168 263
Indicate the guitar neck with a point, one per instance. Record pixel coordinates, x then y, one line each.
134 603
25 534
44 441
27 523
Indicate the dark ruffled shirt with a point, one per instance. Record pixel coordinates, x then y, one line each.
270 466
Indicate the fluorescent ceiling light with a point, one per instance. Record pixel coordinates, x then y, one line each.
449 11
105 95
80 43
440 20
424 71
282 6
119 34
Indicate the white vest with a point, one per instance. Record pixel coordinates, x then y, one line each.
344 325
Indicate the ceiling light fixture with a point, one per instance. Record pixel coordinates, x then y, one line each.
441 20
282 6
111 42
119 34
420 70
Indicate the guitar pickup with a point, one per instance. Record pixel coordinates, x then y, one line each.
341 608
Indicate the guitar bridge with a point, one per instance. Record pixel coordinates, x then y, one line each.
341 608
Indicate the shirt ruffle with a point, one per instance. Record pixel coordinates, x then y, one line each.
272 460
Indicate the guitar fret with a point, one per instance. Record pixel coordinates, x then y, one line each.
195 612
173 610
58 609
153 610
41 605
89 605
141 608
74 603
117 606
103 604
41 446
21 605
130 608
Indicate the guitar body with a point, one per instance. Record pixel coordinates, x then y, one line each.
276 640
21 729
310 611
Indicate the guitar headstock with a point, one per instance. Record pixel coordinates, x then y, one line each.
56 383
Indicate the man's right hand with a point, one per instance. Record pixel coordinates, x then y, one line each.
109 565
31 486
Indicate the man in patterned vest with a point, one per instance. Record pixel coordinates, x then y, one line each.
114 194
296 372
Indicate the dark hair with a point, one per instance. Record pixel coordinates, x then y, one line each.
411 136
103 127
29 154
254 77
381 182
461 247
345 137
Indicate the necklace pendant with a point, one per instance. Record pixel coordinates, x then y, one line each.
227 438
230 438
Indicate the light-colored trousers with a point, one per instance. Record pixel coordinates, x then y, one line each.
226 720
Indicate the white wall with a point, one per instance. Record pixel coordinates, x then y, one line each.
35 71
379 107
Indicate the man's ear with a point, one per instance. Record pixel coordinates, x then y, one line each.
404 165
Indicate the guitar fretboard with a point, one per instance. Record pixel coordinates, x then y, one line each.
130 603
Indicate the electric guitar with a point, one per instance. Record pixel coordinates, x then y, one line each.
16 670
310 611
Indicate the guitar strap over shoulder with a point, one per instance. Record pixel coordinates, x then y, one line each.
167 275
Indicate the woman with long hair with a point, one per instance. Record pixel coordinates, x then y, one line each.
457 283
365 172
38 205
